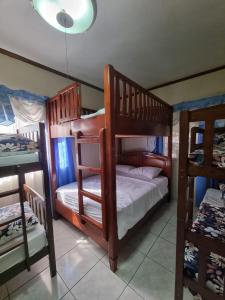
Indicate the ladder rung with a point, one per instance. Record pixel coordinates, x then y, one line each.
91 221
88 140
90 169
10 221
8 193
92 196
11 248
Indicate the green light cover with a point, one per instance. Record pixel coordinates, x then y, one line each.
83 13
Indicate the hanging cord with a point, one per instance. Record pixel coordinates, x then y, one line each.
66 52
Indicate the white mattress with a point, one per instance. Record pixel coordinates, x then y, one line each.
134 198
97 113
36 241
18 159
214 197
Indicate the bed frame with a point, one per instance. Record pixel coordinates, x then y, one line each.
40 206
187 174
130 110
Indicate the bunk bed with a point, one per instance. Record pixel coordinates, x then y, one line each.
200 264
26 233
130 111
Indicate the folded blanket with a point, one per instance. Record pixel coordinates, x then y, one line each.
15 228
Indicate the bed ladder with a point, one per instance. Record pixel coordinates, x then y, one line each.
21 181
82 139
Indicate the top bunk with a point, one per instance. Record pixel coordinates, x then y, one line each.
204 141
129 110
23 151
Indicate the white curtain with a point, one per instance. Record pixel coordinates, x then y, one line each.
27 111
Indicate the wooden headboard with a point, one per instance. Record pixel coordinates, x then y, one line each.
144 158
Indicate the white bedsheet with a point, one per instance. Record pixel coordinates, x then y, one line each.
18 159
36 241
97 113
134 198
214 197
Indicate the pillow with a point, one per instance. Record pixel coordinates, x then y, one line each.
124 169
145 173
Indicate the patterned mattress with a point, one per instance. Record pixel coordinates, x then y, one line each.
12 144
210 222
14 229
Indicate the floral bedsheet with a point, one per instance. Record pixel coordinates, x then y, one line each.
12 144
210 222
15 228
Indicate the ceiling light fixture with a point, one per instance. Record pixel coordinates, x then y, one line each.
70 16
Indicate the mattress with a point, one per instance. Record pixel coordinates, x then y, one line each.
213 197
18 159
209 222
135 198
36 241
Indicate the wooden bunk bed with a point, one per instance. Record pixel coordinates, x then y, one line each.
130 110
33 213
200 254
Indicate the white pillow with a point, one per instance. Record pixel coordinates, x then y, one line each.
124 169
145 173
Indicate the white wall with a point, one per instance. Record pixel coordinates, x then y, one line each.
200 87
16 74
92 98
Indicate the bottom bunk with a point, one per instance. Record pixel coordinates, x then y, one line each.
208 229
13 258
135 197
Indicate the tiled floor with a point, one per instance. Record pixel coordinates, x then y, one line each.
146 266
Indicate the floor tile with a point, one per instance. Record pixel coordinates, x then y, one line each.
169 233
41 287
153 282
165 212
128 263
3 292
173 220
63 229
25 276
68 296
155 225
130 294
164 253
61 226
143 240
66 241
103 284
75 264
88 243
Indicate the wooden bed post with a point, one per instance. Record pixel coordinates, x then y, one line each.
52 171
50 235
182 199
170 154
111 166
